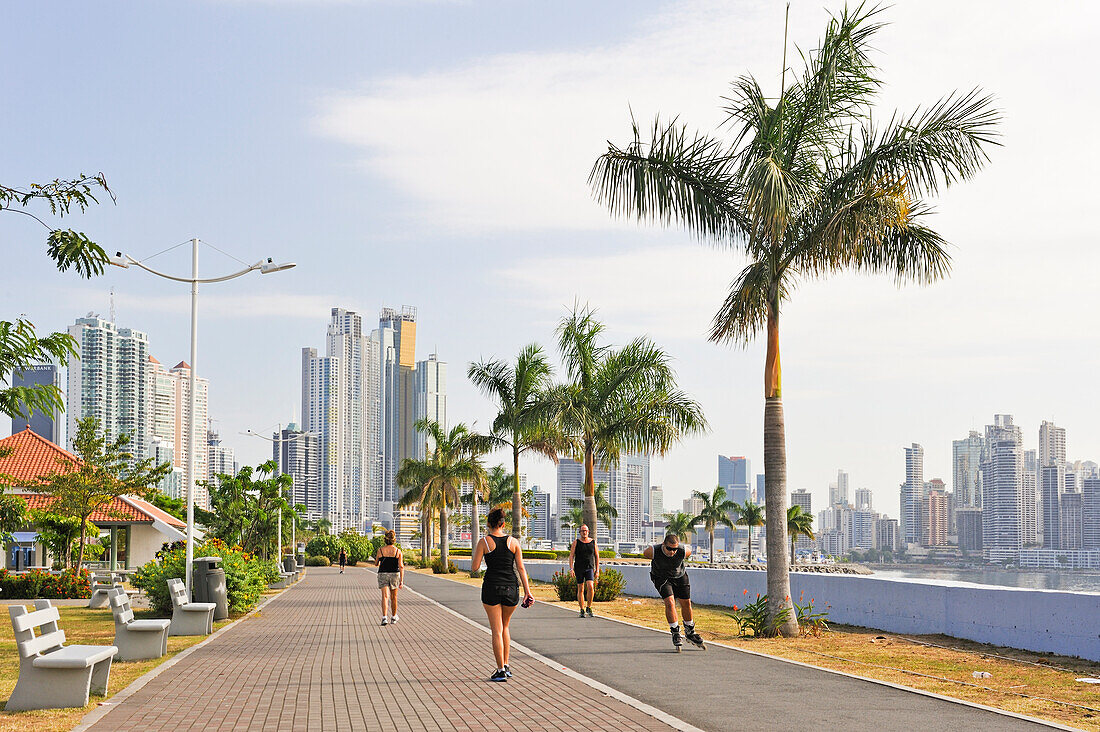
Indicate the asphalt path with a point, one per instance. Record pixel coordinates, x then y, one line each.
719 688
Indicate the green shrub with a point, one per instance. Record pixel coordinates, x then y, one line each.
359 548
609 586
70 584
541 554
631 555
607 554
321 561
459 551
437 567
326 545
246 577
476 574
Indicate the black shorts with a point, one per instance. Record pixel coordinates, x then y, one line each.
507 595
585 575
677 587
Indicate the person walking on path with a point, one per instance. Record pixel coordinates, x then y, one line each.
500 588
343 559
584 563
391 576
669 576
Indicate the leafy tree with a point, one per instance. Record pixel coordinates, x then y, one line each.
13 514
573 518
434 484
605 512
524 422
246 508
799 523
715 511
20 346
173 506
105 471
617 400
59 534
808 186
749 514
680 523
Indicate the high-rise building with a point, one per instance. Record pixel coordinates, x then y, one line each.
802 498
935 533
110 382
862 524
1052 444
431 398
43 424
1073 521
626 482
540 510
692 506
1052 482
1002 490
335 409
838 491
887 536
161 451
170 409
396 346
758 496
296 454
733 475
864 498
1029 502
912 491
966 458
1090 512
968 520
656 503
222 460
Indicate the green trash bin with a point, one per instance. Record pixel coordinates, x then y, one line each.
209 585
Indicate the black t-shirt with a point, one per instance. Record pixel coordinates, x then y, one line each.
665 567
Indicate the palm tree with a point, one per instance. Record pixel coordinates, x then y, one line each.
680 523
434 484
525 421
617 401
573 518
479 491
806 188
749 514
799 523
715 511
605 512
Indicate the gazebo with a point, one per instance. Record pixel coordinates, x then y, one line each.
137 527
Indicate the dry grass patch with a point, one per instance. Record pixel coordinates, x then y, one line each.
81 626
1037 685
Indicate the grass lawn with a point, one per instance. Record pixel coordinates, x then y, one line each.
933 663
81 626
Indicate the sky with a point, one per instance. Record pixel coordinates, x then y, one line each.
435 154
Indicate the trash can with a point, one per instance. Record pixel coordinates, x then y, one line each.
209 585
290 564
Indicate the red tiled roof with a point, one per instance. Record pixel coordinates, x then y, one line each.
33 456
181 365
114 511
154 512
153 360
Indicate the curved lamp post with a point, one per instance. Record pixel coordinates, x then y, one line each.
278 441
265 266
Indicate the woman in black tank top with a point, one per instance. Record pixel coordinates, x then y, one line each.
500 588
391 576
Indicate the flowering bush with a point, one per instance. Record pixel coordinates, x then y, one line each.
246 576
609 586
70 584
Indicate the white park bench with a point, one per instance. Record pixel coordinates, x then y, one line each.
136 640
189 618
102 583
53 675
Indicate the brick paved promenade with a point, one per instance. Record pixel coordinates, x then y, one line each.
316 659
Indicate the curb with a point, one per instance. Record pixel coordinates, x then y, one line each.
105 707
900 687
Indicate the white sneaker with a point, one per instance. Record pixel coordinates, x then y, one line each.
385 620
393 619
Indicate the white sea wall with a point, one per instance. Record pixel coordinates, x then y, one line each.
1046 621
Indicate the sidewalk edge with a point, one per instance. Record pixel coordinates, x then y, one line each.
104 708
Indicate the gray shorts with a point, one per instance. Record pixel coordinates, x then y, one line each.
389 579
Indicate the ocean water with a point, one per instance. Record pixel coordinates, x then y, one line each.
1035 580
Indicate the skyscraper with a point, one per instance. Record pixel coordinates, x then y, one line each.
431 397
110 382
43 424
863 498
838 491
1052 482
296 454
625 482
935 533
966 459
1052 444
222 460
656 503
1073 521
803 499
1002 490
733 475
911 493
1090 513
170 410
540 510
396 346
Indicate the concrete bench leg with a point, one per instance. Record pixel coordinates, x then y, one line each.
140 645
53 688
98 600
192 622
101 674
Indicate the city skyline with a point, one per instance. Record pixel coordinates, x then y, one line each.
868 368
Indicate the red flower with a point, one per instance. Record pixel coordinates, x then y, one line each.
736 608
747 592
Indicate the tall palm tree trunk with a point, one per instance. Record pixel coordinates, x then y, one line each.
750 539
444 544
775 483
589 488
711 547
425 539
517 499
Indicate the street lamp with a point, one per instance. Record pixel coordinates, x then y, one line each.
278 441
265 266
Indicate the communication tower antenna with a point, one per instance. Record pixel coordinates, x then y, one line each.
112 304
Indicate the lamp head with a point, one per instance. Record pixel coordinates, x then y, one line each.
119 260
268 266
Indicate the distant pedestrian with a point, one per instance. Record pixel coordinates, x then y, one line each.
500 588
391 576
669 576
584 563
343 559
